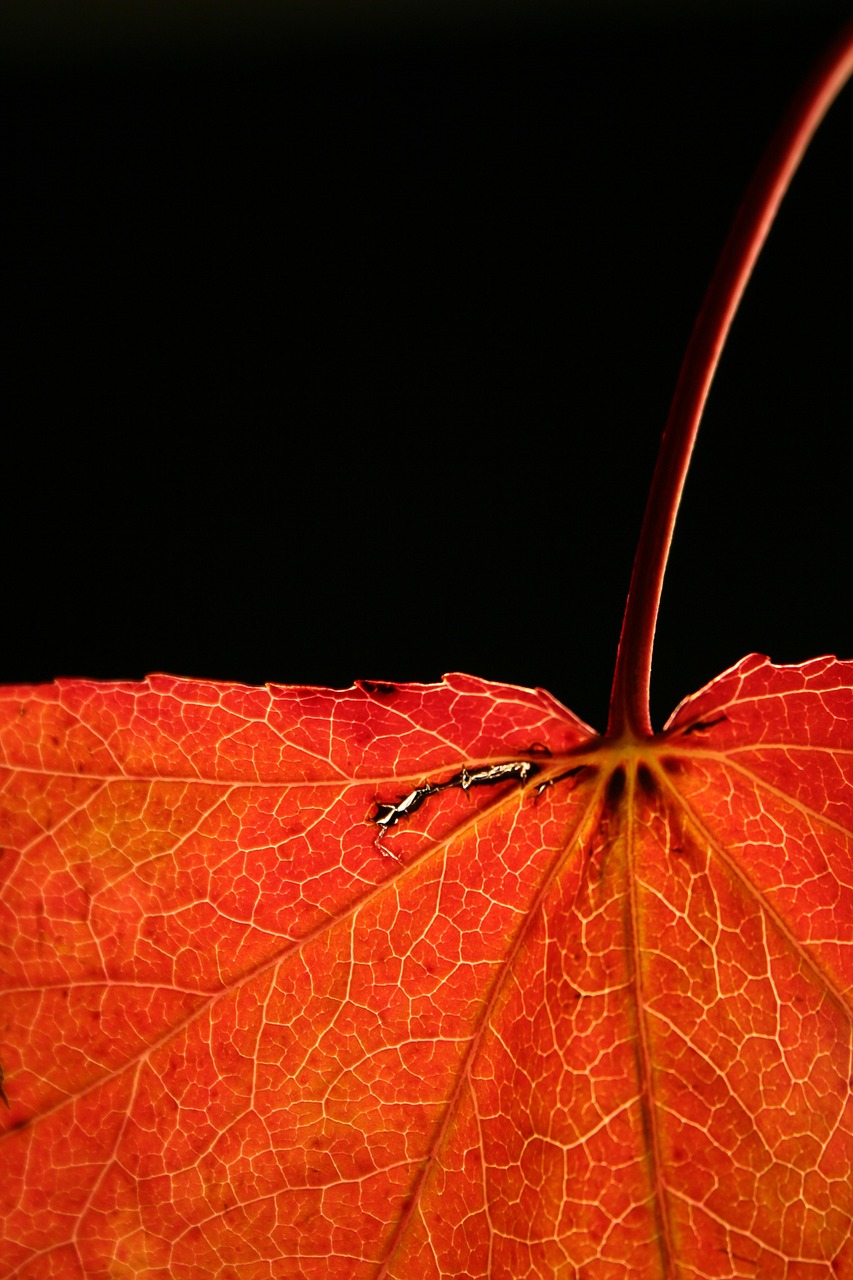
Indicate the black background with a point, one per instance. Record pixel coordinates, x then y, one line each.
344 350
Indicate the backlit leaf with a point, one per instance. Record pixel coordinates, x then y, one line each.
600 1027
412 982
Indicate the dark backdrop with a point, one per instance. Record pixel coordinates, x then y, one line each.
345 352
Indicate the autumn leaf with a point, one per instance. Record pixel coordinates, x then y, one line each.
599 1023
434 980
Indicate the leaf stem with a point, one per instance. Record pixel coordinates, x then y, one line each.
629 698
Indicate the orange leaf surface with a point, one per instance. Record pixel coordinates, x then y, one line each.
600 1027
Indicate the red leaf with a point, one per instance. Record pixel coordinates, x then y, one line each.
604 1022
432 980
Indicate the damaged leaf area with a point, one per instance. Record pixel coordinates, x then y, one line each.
590 1018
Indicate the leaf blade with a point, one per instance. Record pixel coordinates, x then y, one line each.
268 1046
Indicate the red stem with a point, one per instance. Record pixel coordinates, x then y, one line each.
629 698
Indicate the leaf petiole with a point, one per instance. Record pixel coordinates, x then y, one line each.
629 698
